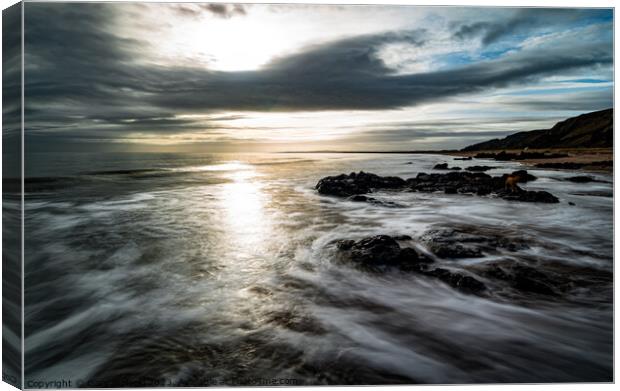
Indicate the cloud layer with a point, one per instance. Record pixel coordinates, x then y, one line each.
85 82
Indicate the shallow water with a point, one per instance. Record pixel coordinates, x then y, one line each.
164 269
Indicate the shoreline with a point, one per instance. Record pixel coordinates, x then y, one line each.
576 155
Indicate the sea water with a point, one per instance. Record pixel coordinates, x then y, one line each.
216 269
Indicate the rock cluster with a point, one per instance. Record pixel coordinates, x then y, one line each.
378 253
463 182
344 185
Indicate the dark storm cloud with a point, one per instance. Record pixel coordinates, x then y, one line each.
347 74
225 11
523 20
80 74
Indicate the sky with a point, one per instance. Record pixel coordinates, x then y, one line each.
236 78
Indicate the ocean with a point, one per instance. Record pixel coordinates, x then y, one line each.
218 269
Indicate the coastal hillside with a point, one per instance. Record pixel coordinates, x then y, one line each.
591 130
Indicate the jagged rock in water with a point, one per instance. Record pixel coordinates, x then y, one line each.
356 183
377 253
529 196
480 168
524 175
462 182
380 251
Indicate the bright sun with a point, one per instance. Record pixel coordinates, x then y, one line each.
233 44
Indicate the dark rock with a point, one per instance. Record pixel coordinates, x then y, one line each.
529 196
378 252
464 158
581 179
603 163
344 244
357 183
468 242
402 237
444 166
477 183
454 250
479 168
521 277
571 203
360 198
374 201
459 281
524 175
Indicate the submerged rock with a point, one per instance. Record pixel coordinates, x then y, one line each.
380 251
480 168
581 179
521 277
456 280
377 253
374 201
468 242
529 196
